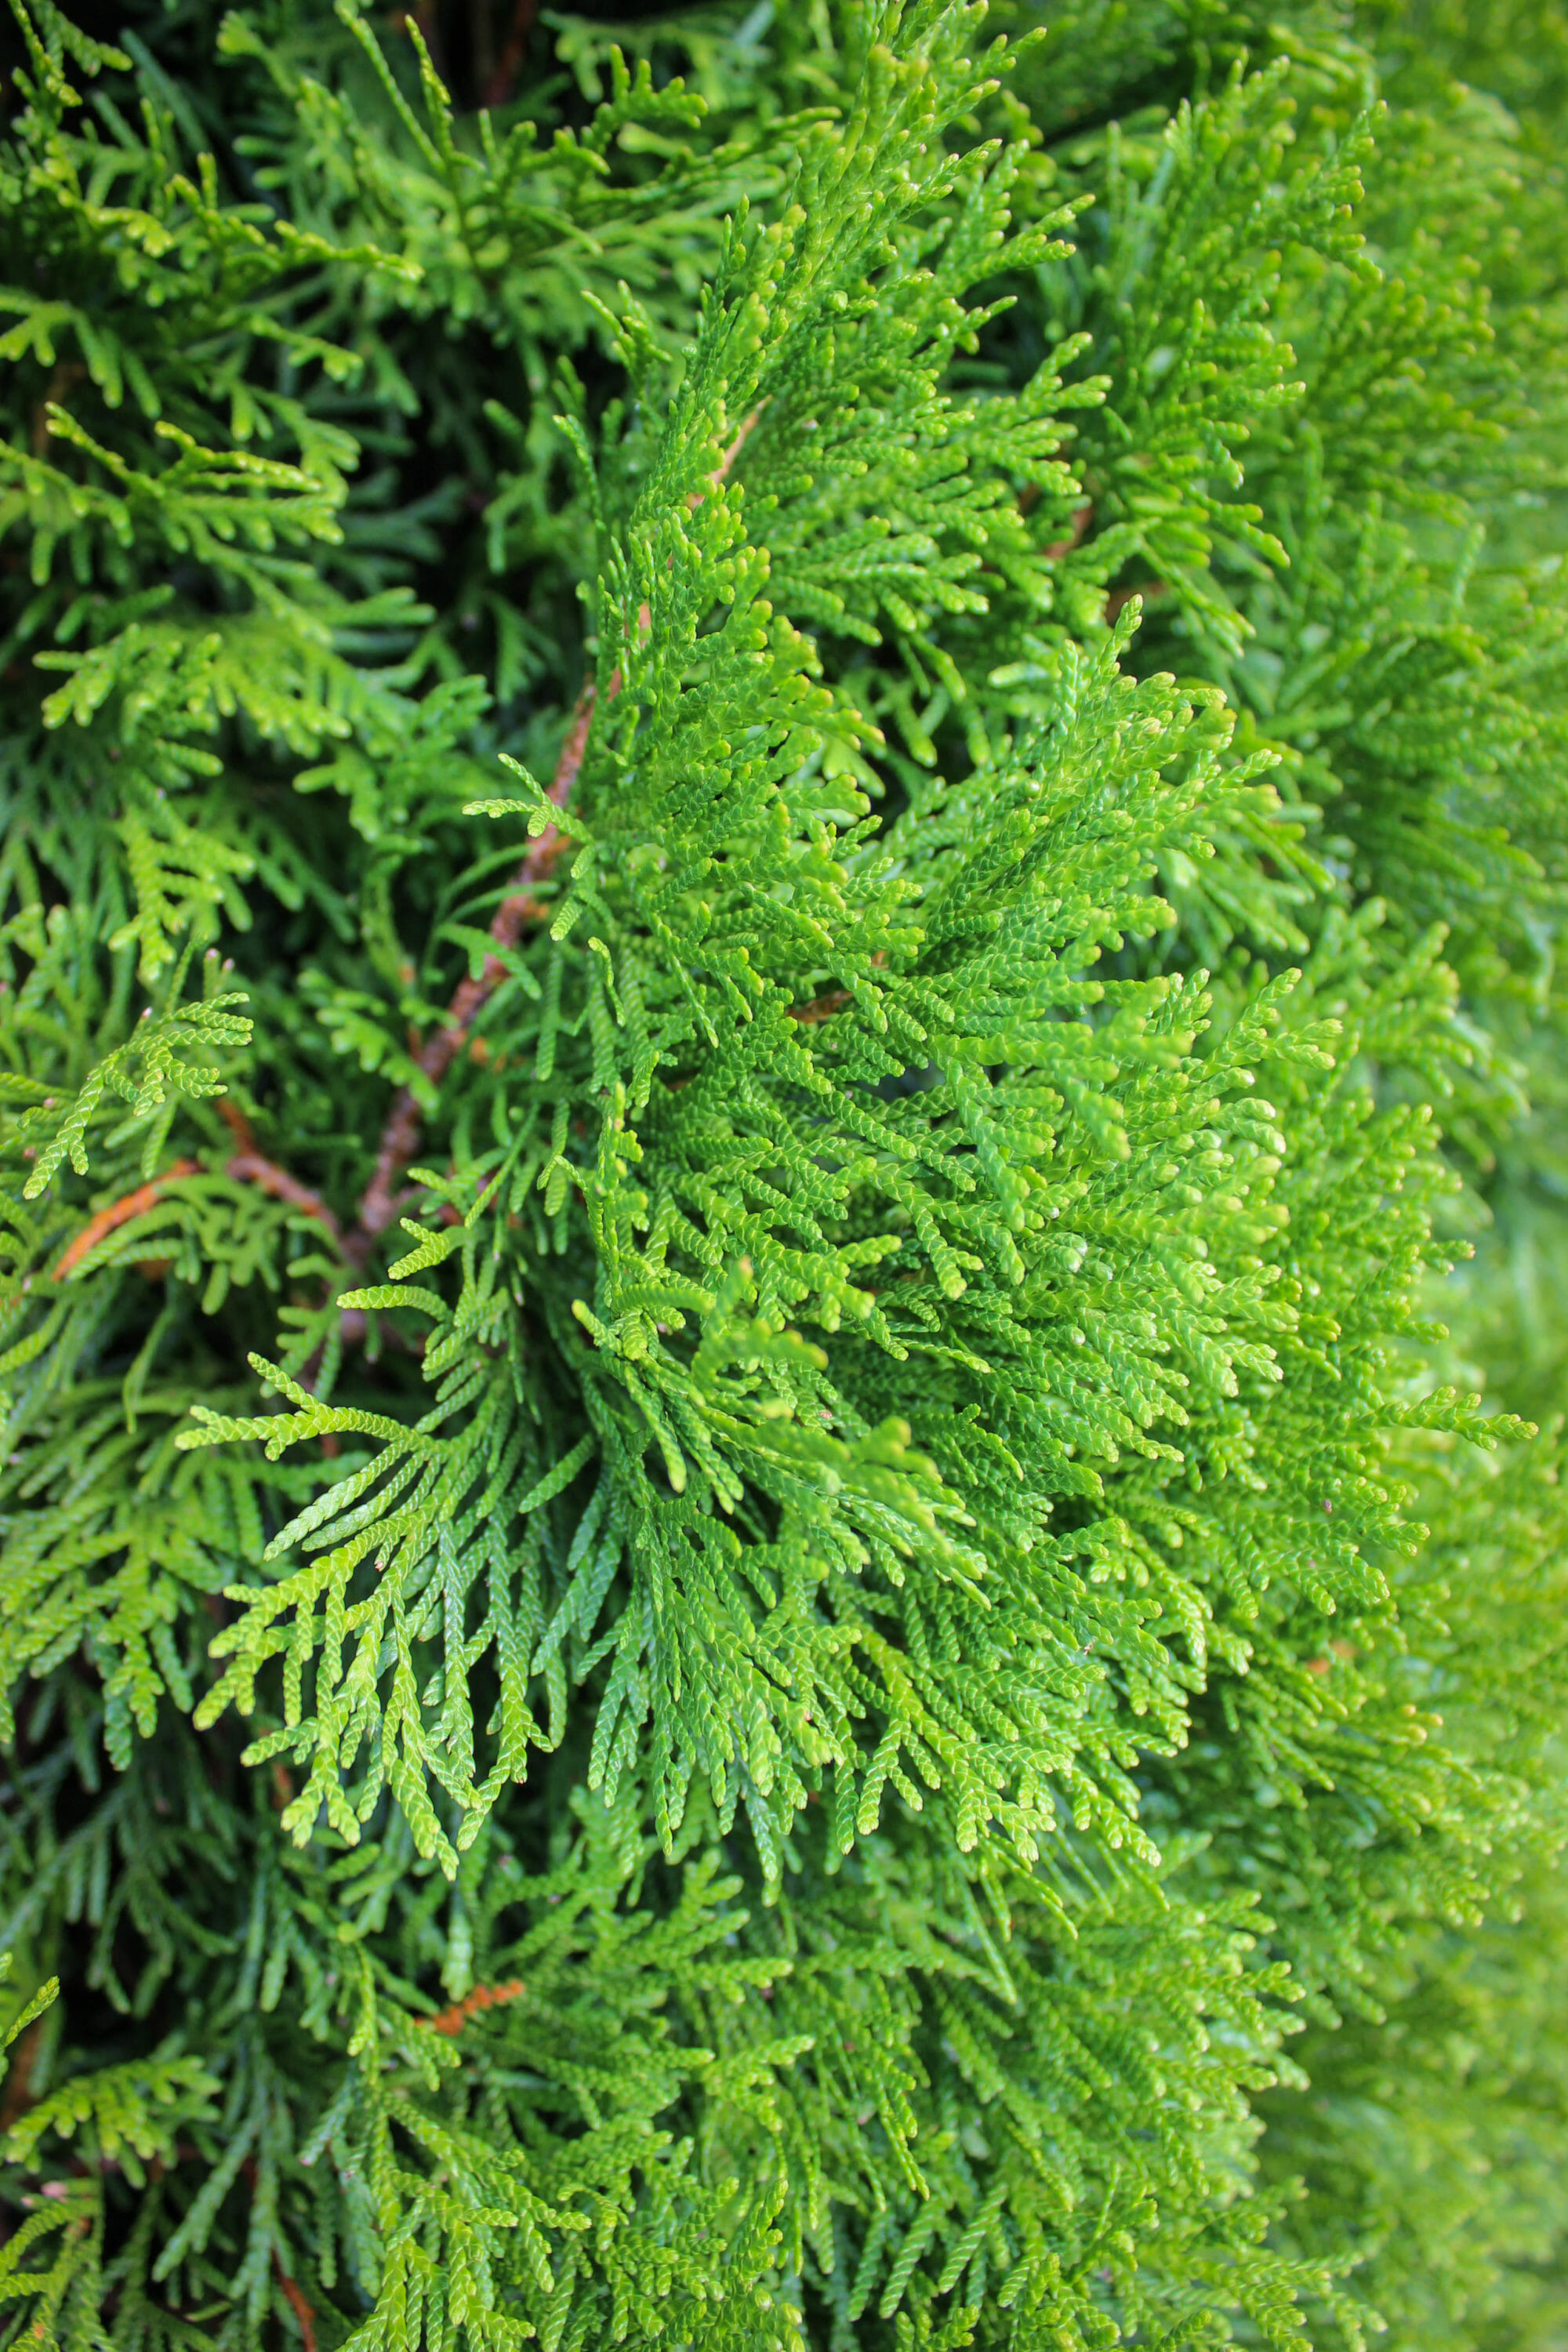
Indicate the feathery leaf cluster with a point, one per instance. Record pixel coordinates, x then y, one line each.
782 835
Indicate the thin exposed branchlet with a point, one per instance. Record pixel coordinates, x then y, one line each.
521 905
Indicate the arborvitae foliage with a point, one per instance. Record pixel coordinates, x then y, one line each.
784 825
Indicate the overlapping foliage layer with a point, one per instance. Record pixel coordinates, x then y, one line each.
784 826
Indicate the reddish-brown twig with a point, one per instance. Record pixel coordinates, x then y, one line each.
453 2019
119 1213
1060 547
400 1136
249 1166
1118 599
246 1166
500 89
19 2082
294 2295
834 1000
67 374
821 1008
720 473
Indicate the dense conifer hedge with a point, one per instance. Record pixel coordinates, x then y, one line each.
786 810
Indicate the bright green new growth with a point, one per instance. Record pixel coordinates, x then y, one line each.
737 1549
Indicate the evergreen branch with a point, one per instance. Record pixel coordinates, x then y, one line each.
820 1647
